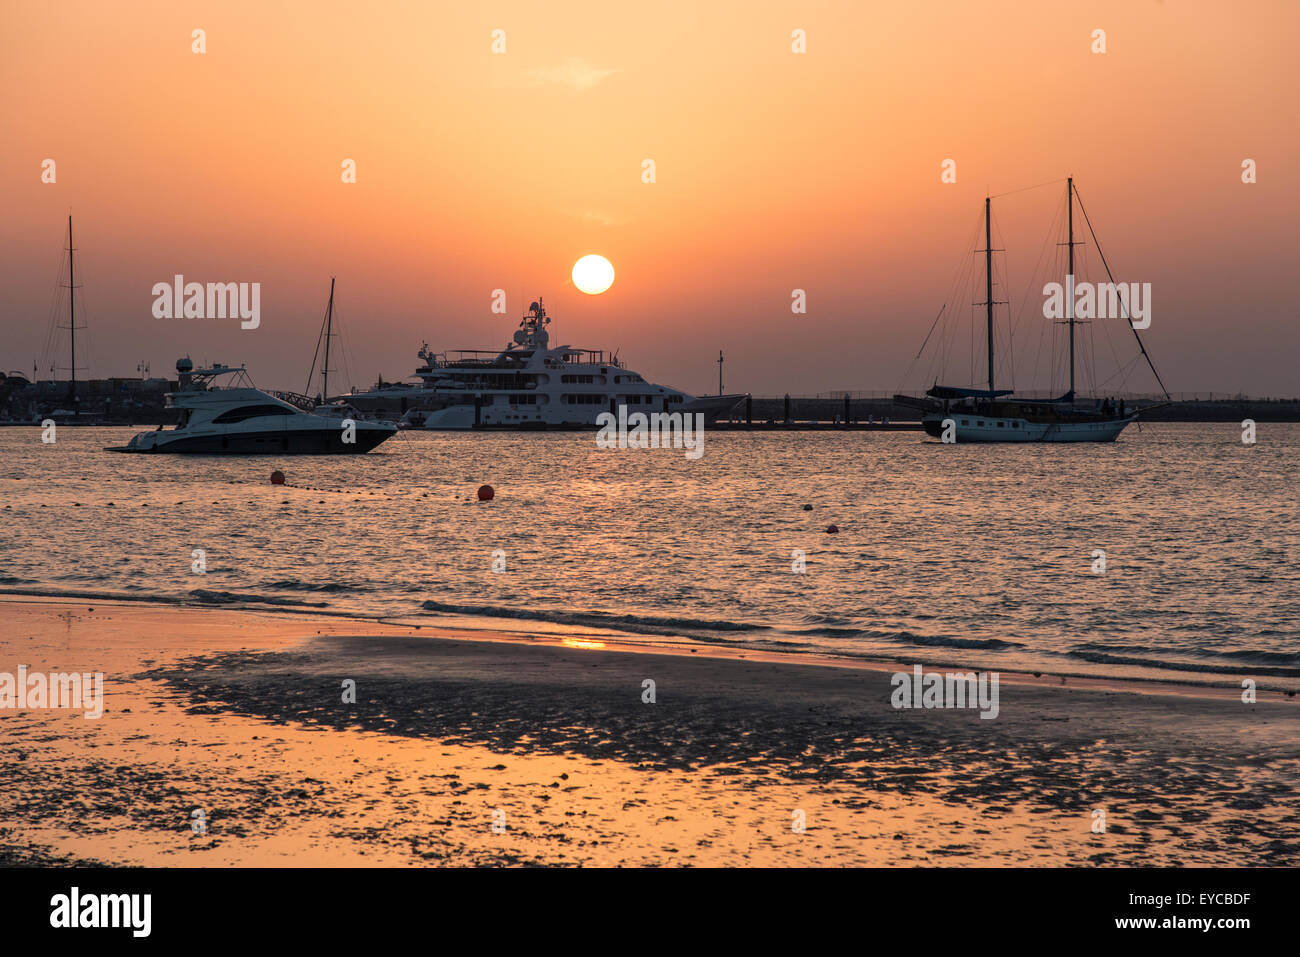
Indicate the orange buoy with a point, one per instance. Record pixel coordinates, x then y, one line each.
832 529
277 477
485 493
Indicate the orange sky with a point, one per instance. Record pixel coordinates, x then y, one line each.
775 171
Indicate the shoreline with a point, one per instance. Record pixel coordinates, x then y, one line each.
239 714
507 630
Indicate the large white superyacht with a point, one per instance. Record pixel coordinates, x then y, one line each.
527 385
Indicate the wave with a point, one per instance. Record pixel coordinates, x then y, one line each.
294 585
1248 655
201 595
690 627
649 624
909 637
1102 658
96 595
824 620
230 597
940 641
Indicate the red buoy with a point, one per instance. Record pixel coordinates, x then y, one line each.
277 477
485 493
832 529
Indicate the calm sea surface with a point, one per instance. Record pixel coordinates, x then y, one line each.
977 555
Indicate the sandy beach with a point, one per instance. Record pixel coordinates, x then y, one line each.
472 749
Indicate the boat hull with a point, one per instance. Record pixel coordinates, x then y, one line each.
500 415
267 442
969 427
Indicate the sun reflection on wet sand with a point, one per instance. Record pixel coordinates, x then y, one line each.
445 734
582 643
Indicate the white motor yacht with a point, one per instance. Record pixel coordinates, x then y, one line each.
238 419
528 385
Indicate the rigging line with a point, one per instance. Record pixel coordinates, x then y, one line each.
1105 330
1048 331
348 361
1123 306
957 287
1043 328
1023 189
970 353
1009 362
342 346
1042 252
949 327
50 346
89 343
307 389
931 332
1121 371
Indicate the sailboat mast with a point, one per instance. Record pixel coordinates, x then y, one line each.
988 285
72 317
329 327
1069 205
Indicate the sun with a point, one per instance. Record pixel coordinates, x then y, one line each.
593 274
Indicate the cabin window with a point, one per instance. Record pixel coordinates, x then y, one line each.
1002 425
965 421
250 412
980 422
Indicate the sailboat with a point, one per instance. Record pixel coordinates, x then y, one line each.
957 414
73 414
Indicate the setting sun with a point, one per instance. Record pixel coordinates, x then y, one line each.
593 274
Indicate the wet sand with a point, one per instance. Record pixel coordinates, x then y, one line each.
240 714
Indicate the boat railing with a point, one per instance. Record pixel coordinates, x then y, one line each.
296 399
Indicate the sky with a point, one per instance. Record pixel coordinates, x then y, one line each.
479 170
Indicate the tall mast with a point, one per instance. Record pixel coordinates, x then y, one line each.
988 284
1069 205
72 317
329 327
